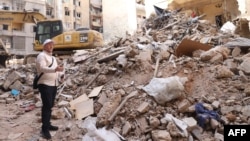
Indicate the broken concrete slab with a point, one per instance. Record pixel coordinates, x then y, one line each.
144 107
108 108
191 123
245 66
197 133
126 128
103 98
183 105
161 135
143 124
12 77
80 55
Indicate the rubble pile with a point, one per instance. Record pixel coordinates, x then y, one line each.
176 79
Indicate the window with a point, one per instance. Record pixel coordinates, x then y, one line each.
56 28
49 12
79 3
78 15
6 8
67 13
47 29
74 13
35 10
5 27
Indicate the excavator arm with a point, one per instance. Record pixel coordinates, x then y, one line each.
14 20
20 17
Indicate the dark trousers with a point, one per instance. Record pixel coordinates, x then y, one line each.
48 94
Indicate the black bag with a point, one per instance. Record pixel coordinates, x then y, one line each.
37 77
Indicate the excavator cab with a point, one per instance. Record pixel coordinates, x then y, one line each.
47 30
65 41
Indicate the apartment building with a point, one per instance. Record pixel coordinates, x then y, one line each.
71 13
76 14
18 36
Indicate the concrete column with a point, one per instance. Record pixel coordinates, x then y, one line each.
119 17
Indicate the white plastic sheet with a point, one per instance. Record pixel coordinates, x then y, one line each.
166 89
228 27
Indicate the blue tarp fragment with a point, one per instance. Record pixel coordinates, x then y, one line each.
203 114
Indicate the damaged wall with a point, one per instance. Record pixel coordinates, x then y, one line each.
211 12
225 10
190 3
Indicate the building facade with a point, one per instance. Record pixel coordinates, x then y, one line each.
71 13
18 37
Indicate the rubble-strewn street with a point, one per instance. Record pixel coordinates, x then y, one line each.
177 80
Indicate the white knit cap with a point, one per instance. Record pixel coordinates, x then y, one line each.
47 41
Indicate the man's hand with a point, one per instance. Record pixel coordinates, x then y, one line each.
59 68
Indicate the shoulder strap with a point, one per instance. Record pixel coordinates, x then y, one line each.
52 62
40 75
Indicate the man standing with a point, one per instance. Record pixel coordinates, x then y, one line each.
47 84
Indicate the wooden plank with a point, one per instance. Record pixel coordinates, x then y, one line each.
110 57
95 92
95 54
80 56
84 109
81 98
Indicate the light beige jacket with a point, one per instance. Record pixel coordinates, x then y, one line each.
49 77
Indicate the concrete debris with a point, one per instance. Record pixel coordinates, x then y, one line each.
144 86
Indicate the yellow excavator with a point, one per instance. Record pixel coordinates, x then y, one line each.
47 28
